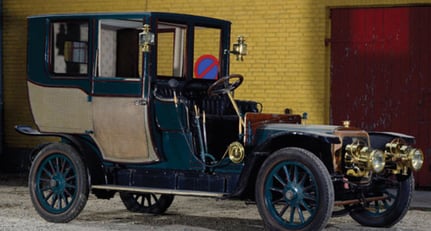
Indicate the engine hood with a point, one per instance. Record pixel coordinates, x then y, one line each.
324 132
327 129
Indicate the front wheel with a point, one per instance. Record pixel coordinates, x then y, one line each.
58 183
294 191
146 202
396 197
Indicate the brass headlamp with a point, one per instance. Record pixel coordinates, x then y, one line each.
361 160
404 156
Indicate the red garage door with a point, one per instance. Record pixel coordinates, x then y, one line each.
381 72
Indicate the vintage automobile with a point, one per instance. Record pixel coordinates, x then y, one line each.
143 104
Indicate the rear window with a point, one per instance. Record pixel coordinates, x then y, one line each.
69 48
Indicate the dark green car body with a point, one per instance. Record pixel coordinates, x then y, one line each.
143 105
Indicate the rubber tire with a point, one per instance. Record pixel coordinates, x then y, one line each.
397 210
75 183
146 202
317 172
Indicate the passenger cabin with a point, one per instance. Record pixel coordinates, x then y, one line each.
132 82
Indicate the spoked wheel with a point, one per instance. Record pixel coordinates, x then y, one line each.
146 202
294 191
386 212
58 183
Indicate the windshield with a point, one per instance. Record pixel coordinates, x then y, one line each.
173 55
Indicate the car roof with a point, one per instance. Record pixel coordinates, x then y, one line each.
119 15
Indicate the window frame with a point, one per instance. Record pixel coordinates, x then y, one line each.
184 53
51 48
97 75
219 56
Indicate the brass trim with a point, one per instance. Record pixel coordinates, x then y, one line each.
236 152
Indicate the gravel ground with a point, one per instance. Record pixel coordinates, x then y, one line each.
185 214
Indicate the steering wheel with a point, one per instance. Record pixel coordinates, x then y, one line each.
225 85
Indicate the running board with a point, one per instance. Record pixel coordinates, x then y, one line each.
158 191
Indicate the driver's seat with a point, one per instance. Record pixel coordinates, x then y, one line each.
216 105
222 121
220 105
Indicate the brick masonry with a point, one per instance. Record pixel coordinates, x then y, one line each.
287 66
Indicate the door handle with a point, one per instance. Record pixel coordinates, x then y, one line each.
140 102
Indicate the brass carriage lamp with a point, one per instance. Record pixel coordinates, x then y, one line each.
240 48
146 38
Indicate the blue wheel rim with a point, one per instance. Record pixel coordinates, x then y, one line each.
56 183
291 194
380 207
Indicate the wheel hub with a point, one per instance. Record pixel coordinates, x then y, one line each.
290 194
58 182
52 183
293 194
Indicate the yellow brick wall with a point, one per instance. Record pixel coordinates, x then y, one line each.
287 65
164 54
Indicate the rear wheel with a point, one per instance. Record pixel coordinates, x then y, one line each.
386 212
294 191
146 202
58 183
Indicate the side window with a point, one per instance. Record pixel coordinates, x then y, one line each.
118 49
171 45
206 53
69 48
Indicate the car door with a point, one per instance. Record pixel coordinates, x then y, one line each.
120 111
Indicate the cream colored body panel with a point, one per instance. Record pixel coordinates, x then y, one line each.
58 109
118 125
121 129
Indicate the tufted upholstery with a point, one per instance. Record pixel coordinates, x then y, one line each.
219 105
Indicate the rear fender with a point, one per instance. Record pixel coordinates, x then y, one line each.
86 148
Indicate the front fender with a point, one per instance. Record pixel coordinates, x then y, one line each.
267 142
379 139
317 143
